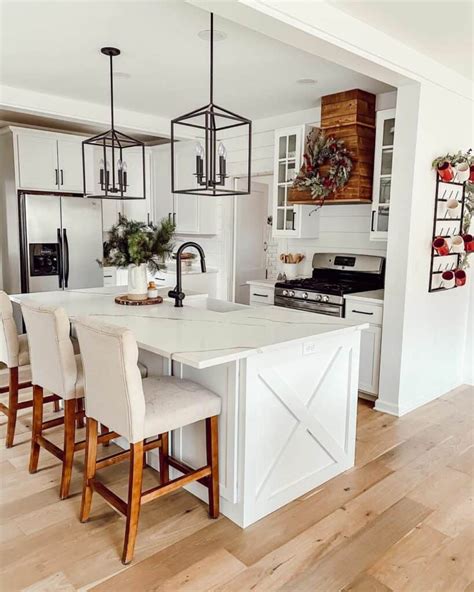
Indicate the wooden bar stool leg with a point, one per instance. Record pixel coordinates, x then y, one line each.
212 445
80 422
56 406
134 499
69 436
103 430
12 406
90 467
163 455
36 428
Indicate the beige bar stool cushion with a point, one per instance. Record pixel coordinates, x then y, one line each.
54 365
172 402
116 395
13 347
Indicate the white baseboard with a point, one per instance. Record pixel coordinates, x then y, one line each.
393 409
385 407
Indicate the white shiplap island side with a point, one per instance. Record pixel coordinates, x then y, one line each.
288 382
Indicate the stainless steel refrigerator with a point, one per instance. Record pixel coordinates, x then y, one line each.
61 242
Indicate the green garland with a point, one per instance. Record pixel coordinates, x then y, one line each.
320 150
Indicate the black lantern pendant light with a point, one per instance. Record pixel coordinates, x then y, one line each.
209 159
105 154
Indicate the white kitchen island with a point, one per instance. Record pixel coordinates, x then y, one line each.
288 382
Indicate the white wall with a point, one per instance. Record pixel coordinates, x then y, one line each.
426 330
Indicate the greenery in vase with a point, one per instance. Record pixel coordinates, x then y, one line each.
134 243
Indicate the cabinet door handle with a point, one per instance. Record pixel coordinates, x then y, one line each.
372 221
261 295
62 177
56 177
174 218
169 217
363 312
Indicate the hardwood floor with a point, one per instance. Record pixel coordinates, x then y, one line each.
401 520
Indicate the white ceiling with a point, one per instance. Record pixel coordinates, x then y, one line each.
53 47
439 29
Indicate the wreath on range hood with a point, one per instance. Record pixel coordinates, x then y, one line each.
323 150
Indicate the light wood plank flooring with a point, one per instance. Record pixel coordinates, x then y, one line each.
401 520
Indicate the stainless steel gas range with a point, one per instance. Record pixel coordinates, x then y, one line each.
334 275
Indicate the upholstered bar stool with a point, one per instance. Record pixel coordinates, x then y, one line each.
15 355
56 368
139 409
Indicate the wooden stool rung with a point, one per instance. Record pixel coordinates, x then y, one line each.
186 469
50 447
109 496
151 494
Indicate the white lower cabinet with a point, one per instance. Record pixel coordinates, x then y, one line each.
261 295
369 370
370 345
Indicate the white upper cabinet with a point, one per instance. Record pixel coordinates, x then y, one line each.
70 163
385 132
162 198
192 214
37 161
289 220
48 161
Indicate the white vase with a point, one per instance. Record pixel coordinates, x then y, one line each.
137 282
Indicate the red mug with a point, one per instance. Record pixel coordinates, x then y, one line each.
448 279
471 176
445 171
441 245
460 277
468 242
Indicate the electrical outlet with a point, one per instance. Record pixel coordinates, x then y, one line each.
309 347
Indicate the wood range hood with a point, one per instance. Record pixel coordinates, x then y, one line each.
348 116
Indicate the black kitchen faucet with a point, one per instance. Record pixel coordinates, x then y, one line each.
178 293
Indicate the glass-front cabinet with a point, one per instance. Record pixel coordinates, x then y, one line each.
290 220
385 131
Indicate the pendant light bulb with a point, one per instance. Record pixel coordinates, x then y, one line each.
221 150
199 149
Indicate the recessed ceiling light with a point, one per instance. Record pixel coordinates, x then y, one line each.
306 81
206 35
122 75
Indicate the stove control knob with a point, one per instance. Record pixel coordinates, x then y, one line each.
318 297
291 293
325 298
285 292
304 295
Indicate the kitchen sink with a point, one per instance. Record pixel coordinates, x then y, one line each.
205 303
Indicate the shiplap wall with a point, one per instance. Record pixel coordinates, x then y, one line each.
342 228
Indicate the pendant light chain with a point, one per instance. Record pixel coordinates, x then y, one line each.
211 76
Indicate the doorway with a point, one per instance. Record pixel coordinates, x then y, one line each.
249 248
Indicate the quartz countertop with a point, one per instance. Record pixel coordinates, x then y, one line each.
205 332
263 283
371 296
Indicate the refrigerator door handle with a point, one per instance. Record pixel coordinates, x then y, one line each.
60 253
66 258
